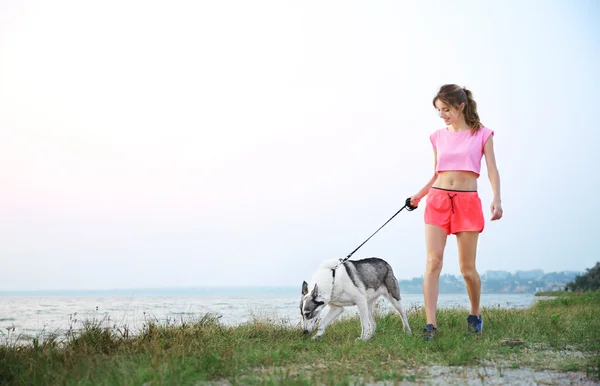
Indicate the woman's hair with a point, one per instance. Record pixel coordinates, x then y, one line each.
454 95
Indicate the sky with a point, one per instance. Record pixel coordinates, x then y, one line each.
236 143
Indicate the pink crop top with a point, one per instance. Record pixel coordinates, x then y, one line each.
459 150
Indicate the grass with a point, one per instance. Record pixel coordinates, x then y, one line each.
560 334
551 293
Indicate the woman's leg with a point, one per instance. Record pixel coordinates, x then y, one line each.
467 251
435 239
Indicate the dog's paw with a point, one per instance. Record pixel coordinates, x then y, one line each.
317 337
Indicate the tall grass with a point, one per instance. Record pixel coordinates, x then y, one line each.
560 334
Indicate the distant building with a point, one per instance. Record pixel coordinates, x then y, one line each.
497 282
496 275
534 274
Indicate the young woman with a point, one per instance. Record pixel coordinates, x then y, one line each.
453 206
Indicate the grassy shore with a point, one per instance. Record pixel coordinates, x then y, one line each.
561 335
552 293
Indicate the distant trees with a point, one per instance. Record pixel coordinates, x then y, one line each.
498 282
589 281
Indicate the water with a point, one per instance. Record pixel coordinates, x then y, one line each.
42 313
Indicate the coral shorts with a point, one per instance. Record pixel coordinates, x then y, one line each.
454 210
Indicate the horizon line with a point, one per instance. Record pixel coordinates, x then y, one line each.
222 287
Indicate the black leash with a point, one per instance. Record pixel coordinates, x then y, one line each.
406 206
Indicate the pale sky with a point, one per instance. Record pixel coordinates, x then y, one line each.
240 143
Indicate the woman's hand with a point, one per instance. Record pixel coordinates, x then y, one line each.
414 200
496 209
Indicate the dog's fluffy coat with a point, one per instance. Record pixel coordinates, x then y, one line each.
356 283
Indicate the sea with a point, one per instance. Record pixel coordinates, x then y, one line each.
28 315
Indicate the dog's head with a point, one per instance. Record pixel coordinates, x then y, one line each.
311 305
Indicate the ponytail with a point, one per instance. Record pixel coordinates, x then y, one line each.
470 112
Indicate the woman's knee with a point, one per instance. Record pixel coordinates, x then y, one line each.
469 272
434 262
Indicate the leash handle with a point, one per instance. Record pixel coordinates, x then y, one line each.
406 206
409 207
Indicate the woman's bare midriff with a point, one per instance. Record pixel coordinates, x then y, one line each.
456 180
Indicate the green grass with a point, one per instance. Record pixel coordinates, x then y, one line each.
552 293
560 334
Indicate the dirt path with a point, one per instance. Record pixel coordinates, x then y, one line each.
459 375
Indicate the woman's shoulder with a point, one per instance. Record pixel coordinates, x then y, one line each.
485 130
434 135
484 133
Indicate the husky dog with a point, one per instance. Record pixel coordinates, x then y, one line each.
340 284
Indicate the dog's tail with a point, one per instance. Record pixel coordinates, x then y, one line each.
391 283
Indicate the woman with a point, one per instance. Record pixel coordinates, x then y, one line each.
453 205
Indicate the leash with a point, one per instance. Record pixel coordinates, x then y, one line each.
406 206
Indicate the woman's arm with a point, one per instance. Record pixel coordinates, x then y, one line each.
494 176
425 189
414 200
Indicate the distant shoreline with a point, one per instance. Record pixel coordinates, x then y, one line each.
155 291
492 283
207 291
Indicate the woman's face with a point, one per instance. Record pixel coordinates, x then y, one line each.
449 114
